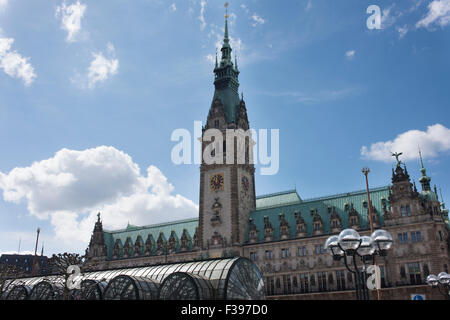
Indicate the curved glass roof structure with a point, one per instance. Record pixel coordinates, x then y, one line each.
185 286
125 287
89 290
232 278
19 292
46 290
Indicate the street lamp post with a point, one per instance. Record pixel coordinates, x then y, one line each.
442 282
349 244
366 171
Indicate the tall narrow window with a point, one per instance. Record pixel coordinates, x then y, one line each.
304 284
340 278
287 284
270 286
322 281
408 210
402 209
301 251
415 276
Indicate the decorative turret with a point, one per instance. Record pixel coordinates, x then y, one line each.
401 183
97 247
424 179
400 174
444 211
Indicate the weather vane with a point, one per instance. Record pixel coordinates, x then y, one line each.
226 10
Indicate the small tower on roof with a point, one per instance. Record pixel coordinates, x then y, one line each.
97 248
424 179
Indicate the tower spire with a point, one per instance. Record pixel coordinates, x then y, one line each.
226 48
226 80
226 22
424 179
217 64
443 209
421 160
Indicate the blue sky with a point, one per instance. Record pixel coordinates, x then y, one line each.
90 92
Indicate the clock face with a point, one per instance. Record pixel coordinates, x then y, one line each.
216 182
245 184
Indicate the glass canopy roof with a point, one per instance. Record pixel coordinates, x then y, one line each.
232 278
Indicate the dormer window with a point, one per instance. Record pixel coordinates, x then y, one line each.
284 227
317 224
253 232
268 229
335 224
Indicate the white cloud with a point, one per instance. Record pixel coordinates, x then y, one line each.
71 18
390 15
202 14
72 186
13 64
258 20
438 13
3 4
402 31
210 58
15 252
432 142
101 67
350 54
232 18
173 7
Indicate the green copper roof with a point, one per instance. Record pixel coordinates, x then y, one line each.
429 196
230 101
277 199
133 232
323 205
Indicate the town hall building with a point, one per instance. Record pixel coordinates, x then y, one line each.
282 233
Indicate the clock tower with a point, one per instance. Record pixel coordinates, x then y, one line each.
227 183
